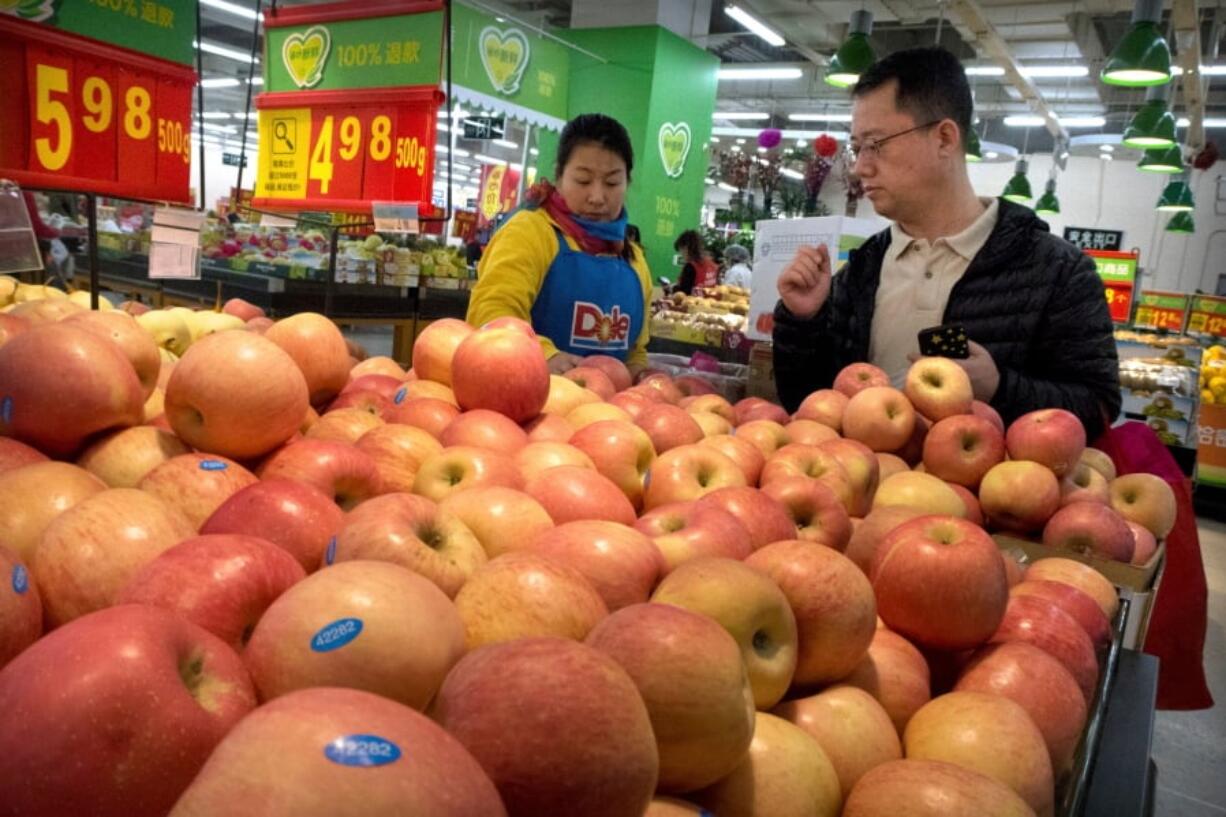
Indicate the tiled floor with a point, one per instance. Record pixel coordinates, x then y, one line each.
1190 747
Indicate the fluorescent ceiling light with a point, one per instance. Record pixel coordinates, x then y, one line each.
792 174
715 139
516 166
760 73
506 143
222 51
219 82
736 148
1052 71
215 115
819 117
741 115
761 150
740 141
461 152
533 152
1106 157
1067 121
787 133
219 128
231 8
710 182
442 148
1209 122
726 186
443 128
984 71
754 24
489 160
257 80
1107 148
1211 70
991 154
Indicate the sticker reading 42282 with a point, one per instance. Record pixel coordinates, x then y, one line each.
362 750
336 635
21 579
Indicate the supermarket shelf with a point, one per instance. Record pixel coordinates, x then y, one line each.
669 346
1122 780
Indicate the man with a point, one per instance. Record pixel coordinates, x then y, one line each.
1032 304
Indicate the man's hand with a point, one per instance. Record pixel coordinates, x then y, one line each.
563 362
805 285
985 378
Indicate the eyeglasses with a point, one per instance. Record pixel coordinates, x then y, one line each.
872 147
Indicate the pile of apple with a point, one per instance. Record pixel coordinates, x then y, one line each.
262 580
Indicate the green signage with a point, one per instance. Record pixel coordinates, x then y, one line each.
1164 300
159 28
510 63
375 52
1120 270
1209 304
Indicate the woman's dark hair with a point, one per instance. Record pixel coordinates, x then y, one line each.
633 234
596 129
690 242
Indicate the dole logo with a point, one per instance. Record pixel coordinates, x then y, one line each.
593 329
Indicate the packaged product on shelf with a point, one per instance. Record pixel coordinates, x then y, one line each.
702 318
1159 381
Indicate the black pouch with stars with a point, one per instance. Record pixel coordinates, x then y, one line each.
944 341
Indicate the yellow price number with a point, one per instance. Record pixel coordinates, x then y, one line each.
349 135
175 139
410 153
1110 295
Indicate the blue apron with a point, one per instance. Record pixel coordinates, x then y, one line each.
589 304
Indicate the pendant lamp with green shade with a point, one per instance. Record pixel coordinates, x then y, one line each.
1018 188
1181 223
1153 126
974 153
1142 57
855 55
1176 197
1162 160
1048 204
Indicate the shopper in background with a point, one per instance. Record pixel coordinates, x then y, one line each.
738 273
562 261
700 269
1032 304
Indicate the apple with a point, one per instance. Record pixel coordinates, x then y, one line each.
413 389
1147 500
613 368
1019 495
435 348
339 470
712 404
811 462
986 412
766 518
241 309
1081 576
570 493
502 370
398 452
896 674
293 515
816 510
881 417
1052 437
1145 543
413 532
427 413
588 413
930 788
689 671
169 330
558 756
742 408
122 458
1100 462
668 427
662 806
503 520
524 595
767 436
869 533
913 489
938 388
962 448
482 428
462 467
620 562
712 424
809 432
940 582
123 330
206 322
688 472
1072 600
62 384
620 451
661 386
137 696
751 607
549 428
227 380
378 365
987 733
857 377
1084 484
196 485
694 385
593 379
370 400
509 322
317 752
742 452
221 582
785 772
535 458
852 728
367 625
34 496
687 530
1092 529
14 454
318 347
836 614
765 411
11 326
631 402
46 311
343 425
155 406
1041 622
21 608
257 325
825 406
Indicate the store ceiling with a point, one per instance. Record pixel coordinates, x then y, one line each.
1038 34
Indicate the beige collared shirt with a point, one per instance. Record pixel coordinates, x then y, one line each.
916 279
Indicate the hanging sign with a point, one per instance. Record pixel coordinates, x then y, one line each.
77 114
499 192
1088 238
1161 310
1118 271
1207 316
159 28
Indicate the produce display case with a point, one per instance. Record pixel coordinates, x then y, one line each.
712 319
1159 377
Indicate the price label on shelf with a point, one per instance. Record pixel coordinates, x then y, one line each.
81 115
1207 316
1161 310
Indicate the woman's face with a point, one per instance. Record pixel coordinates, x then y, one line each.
593 182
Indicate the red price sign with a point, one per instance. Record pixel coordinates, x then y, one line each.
1208 316
340 151
76 114
1119 300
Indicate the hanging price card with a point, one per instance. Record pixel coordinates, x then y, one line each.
76 114
1207 316
1161 310
1118 271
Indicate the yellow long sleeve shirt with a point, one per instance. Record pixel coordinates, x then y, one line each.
512 271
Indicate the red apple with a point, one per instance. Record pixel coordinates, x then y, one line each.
509 322
462 467
620 562
1145 543
435 348
1052 437
881 417
1081 576
482 428
11 326
913 489
369 400
1092 529
694 385
1038 621
817 511
339 470
857 377
863 468
689 472
1019 495
503 520
1084 484
427 413
61 384
1147 500
1072 600
742 408
765 517
383 384
836 614
343 425
136 695
46 310
502 370
293 515
588 413
809 432
895 673
136 344
122 458
873 529
825 406
687 530
536 458
221 582
413 532
742 452
812 462
241 309
940 582
594 379
631 402
767 436
668 427
377 366
227 380
318 347
962 448
660 385
36 494
974 513
196 485
930 788
549 428
765 411
398 452
570 493
938 388
982 409
613 368
413 389
14 454
21 608
712 404
1100 462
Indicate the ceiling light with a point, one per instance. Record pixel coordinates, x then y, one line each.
991 154
974 153
855 55
760 73
1181 223
506 143
1053 71
1107 148
1018 188
231 8
791 174
534 152
1162 160
1048 204
710 182
1025 121
219 82
257 80
741 115
761 150
1176 197
1153 126
222 51
726 186
228 129
984 71
489 160
754 24
736 148
740 141
819 117
1143 56
461 152
1106 157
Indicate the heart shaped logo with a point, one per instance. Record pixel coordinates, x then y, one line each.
505 57
305 55
674 147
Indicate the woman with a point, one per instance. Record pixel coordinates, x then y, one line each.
700 269
738 273
563 262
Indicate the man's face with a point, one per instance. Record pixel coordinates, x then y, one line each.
899 178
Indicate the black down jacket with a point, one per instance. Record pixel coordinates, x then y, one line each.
1034 301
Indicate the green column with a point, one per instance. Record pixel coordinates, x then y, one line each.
662 88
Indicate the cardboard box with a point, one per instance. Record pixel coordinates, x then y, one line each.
761 381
